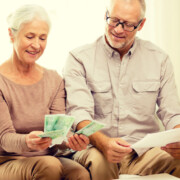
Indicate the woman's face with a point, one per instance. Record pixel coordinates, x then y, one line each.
30 41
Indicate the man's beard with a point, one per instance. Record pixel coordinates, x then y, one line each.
115 45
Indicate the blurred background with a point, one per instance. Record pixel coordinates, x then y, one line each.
77 22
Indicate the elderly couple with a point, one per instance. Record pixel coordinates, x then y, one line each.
117 80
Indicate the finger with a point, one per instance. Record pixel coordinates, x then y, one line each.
70 144
40 147
79 142
116 155
39 141
85 139
173 145
172 150
45 140
74 139
45 146
176 156
34 134
122 149
123 143
77 146
77 138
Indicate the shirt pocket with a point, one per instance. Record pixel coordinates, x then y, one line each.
145 96
102 94
141 87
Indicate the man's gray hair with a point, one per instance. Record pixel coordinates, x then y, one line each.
143 10
142 3
25 14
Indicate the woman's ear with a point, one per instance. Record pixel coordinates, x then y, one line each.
11 35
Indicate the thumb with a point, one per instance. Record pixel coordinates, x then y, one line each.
123 143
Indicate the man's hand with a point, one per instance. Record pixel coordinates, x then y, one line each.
115 149
77 142
173 149
36 143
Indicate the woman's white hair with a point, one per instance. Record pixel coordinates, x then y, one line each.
25 14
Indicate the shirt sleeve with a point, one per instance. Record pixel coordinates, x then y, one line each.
168 100
80 103
58 102
10 141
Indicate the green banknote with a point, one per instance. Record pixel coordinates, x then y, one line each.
57 125
91 128
52 134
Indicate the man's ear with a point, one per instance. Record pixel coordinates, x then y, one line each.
105 15
11 35
142 24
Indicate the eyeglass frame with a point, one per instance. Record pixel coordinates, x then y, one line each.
122 23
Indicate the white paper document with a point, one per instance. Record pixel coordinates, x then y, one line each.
149 177
158 139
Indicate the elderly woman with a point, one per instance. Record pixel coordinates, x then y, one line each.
28 92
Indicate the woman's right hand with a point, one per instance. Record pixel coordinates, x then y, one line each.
34 142
77 142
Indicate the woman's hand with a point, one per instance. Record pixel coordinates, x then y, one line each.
36 143
77 142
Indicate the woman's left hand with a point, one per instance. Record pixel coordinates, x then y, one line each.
173 149
77 142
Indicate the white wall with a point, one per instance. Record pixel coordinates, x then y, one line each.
163 28
77 22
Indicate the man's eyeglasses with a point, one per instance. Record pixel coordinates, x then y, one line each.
114 22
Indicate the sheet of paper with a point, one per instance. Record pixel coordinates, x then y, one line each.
149 177
158 139
91 128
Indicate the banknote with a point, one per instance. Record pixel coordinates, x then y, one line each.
57 125
91 128
52 134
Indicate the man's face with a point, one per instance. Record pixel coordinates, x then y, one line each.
128 12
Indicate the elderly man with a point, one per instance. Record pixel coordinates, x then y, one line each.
118 80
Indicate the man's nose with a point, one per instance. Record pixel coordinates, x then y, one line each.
119 28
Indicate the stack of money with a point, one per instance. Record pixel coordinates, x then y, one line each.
91 128
57 125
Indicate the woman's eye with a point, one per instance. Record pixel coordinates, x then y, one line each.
29 37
